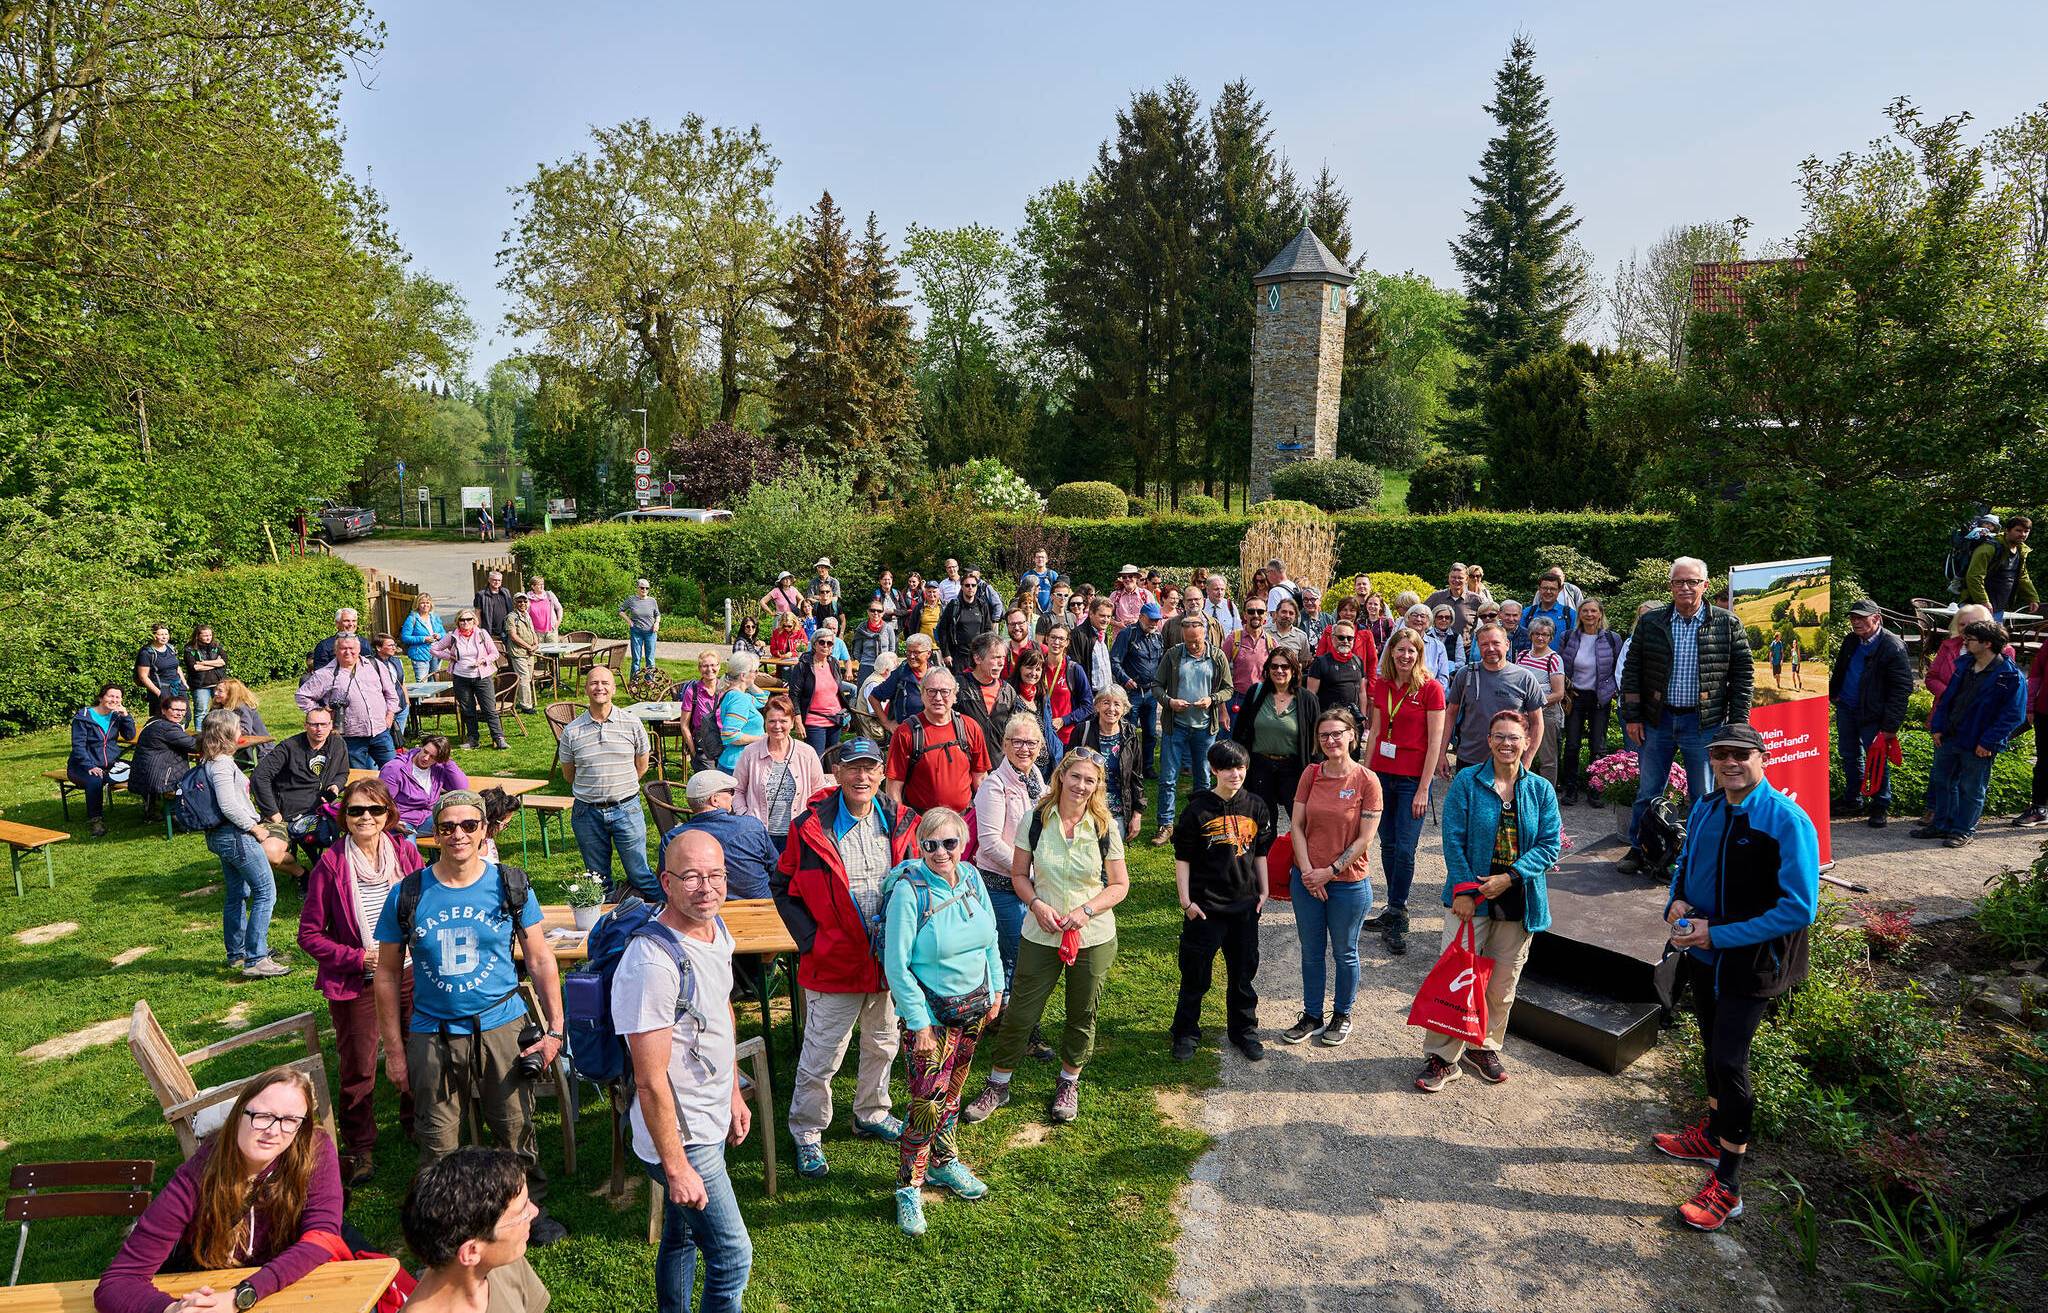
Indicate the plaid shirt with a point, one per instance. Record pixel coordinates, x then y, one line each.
1683 688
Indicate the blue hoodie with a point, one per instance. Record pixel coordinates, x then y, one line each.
951 953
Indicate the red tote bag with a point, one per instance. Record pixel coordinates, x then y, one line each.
1452 1000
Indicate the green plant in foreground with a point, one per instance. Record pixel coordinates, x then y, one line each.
2013 913
1802 1218
1935 1267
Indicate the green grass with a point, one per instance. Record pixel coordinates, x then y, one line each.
1082 1219
1393 492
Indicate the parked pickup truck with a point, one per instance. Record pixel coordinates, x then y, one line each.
340 523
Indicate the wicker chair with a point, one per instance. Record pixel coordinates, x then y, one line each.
579 665
661 800
505 689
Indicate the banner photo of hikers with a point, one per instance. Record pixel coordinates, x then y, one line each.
1783 605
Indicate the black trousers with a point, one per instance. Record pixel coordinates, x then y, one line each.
2040 772
476 704
1237 934
1727 1026
1585 722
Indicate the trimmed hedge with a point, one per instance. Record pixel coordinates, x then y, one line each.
653 550
265 617
1200 503
1342 484
1094 500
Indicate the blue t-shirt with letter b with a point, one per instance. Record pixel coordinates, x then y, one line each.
461 951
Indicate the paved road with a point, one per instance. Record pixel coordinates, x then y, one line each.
442 568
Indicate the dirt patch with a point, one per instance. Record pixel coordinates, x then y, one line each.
195 927
36 936
1027 1135
124 958
238 1015
64 1046
1179 1107
201 892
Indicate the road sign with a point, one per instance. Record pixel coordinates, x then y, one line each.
668 488
401 470
643 483
642 456
423 496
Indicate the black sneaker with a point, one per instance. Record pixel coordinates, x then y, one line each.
1184 1048
1337 1031
1928 832
1248 1044
1309 1024
2031 818
1845 807
1631 863
1879 818
545 1231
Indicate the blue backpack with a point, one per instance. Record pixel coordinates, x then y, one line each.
910 873
595 1046
196 808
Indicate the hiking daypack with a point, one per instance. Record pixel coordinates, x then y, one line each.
918 748
513 890
1962 545
878 924
196 808
596 1049
707 740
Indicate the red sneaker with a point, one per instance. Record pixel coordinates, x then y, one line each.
1713 1205
1692 1144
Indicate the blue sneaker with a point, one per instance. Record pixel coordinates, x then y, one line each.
889 1129
956 1177
910 1209
810 1160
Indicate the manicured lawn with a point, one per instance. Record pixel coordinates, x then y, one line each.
1393 492
1077 1217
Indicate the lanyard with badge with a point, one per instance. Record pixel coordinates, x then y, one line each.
1387 748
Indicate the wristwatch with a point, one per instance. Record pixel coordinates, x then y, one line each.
245 1296
555 1034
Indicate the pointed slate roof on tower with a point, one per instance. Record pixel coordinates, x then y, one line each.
1305 260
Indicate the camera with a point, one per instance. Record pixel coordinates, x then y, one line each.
529 1066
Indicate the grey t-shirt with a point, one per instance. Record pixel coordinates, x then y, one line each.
644 612
1480 693
645 995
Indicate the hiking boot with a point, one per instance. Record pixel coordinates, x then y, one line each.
1713 1205
1435 1074
954 1176
545 1231
1248 1044
467 745
888 1130
1692 1144
1309 1024
810 1160
1337 1031
1928 831
2031 817
500 745
1394 931
1184 1048
1375 917
1632 862
1958 841
99 828
1164 837
1037 1048
1845 807
992 1097
1066 1100
266 968
910 1209
1487 1063
1878 818
357 1171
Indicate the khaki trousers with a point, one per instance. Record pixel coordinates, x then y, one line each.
829 1023
442 1071
1507 943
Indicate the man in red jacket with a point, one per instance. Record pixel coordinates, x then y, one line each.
828 889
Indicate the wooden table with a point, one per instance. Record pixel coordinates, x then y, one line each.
513 786
351 1287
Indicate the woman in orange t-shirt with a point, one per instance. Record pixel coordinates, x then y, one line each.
1336 814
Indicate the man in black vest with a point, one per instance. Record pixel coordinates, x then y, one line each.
1869 684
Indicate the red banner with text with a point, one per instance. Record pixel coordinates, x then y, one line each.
1796 742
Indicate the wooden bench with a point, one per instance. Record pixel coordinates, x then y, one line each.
27 839
66 786
545 805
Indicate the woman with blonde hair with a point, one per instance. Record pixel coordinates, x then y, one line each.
1401 748
251 1197
1069 872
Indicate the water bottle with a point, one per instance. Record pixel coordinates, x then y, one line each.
1683 925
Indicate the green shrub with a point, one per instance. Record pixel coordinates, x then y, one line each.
1089 501
2014 910
1578 568
1200 503
927 530
1919 706
1445 482
1334 485
787 524
586 579
1391 584
681 595
1136 505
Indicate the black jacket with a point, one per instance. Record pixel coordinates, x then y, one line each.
1887 680
993 719
162 756
1306 709
492 608
284 783
1726 672
960 623
1130 763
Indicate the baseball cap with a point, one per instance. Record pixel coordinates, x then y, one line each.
1128 569
457 798
708 784
856 749
1151 611
1737 734
1864 606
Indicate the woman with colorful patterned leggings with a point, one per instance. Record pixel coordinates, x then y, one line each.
946 979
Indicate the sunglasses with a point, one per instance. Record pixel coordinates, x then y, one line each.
945 845
1341 640
1729 754
470 826
1255 614
361 810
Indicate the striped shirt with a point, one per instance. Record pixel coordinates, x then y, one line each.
1683 688
602 752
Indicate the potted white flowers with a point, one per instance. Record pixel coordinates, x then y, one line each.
585 893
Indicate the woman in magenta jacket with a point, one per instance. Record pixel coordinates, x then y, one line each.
344 896
413 795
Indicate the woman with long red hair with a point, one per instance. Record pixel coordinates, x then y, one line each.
246 1199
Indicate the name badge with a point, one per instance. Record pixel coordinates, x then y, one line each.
1388 750
1346 795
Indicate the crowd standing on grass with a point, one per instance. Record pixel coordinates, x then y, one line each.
935 789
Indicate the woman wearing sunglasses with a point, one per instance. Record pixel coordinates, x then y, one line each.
946 978
248 1198
337 924
1278 727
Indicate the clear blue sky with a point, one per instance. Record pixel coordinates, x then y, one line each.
953 113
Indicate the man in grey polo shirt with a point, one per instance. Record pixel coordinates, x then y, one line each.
603 754
1477 692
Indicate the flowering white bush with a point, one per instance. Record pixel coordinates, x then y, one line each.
1615 778
997 487
585 890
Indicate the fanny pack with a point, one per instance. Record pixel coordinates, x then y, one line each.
959 1009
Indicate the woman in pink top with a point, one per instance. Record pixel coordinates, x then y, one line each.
1335 815
473 658
544 609
778 774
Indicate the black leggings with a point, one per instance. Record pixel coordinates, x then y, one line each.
1585 721
476 702
1727 1026
2040 766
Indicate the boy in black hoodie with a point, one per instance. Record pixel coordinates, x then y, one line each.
1219 865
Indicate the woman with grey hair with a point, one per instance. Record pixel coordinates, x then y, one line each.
1549 668
1435 658
1123 754
739 707
236 838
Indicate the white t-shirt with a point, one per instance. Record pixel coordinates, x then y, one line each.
1586 663
700 1065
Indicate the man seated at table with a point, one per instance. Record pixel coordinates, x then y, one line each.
749 849
289 784
468 1219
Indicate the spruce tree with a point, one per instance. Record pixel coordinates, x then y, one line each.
1327 212
886 444
817 387
1520 289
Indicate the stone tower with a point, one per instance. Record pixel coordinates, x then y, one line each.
1297 358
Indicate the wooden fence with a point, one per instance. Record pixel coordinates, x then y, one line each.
480 572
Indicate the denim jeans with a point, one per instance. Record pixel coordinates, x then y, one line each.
1956 787
1336 924
245 872
1852 739
641 651
1400 833
1679 736
1145 711
622 826
822 738
1184 748
1009 930
202 702
717 1229
370 753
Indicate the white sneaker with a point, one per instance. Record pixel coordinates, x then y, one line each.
266 968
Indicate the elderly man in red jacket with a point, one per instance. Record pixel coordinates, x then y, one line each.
828 889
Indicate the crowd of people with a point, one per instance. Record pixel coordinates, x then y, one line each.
938 789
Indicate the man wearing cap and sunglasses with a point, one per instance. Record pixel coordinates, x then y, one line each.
1745 892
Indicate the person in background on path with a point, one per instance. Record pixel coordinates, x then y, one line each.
1746 891
643 625
415 780
205 667
1192 685
237 840
384 651
1778 661
290 783
1689 673
1869 684
828 890
346 623
544 609
1592 662
936 759
247 1198
1068 870
2036 813
1407 736
163 753
158 667
97 735
486 528
603 754
522 646
1998 575
687 1104
1462 600
363 697
947 982
493 605
778 773
1501 837
1984 704
1336 814
458 1046
750 852
1219 868
1548 667
1216 604
468 1218
421 630
1134 665
337 929
472 658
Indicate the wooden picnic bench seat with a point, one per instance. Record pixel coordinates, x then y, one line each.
66 786
545 805
21 839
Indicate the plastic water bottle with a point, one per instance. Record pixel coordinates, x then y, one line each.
1683 925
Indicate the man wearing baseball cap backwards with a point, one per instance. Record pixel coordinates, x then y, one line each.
1746 890
828 890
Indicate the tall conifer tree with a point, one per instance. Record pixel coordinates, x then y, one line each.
817 387
885 356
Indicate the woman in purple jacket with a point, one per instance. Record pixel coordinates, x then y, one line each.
1592 654
415 779
246 1199
344 896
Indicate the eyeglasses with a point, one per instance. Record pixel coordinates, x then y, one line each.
270 1121
367 809
1341 640
1337 733
874 610
1729 754
945 845
688 878
1688 583
470 826
1255 614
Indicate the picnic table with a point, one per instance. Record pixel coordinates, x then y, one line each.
421 689
22 839
350 1287
555 654
511 784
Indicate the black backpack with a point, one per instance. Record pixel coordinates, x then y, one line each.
707 741
918 748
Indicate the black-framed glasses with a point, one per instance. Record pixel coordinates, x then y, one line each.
360 810
688 878
1341 640
268 1121
948 844
468 826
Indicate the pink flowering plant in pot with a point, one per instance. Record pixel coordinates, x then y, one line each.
1614 777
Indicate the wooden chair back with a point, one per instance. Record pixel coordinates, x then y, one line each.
187 1107
160 1064
135 1173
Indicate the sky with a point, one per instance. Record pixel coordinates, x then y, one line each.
949 114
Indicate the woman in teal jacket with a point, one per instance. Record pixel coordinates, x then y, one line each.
946 979
1501 837
421 630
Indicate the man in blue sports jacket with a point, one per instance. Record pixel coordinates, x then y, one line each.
1746 890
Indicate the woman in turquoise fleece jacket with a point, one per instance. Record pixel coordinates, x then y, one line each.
946 977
